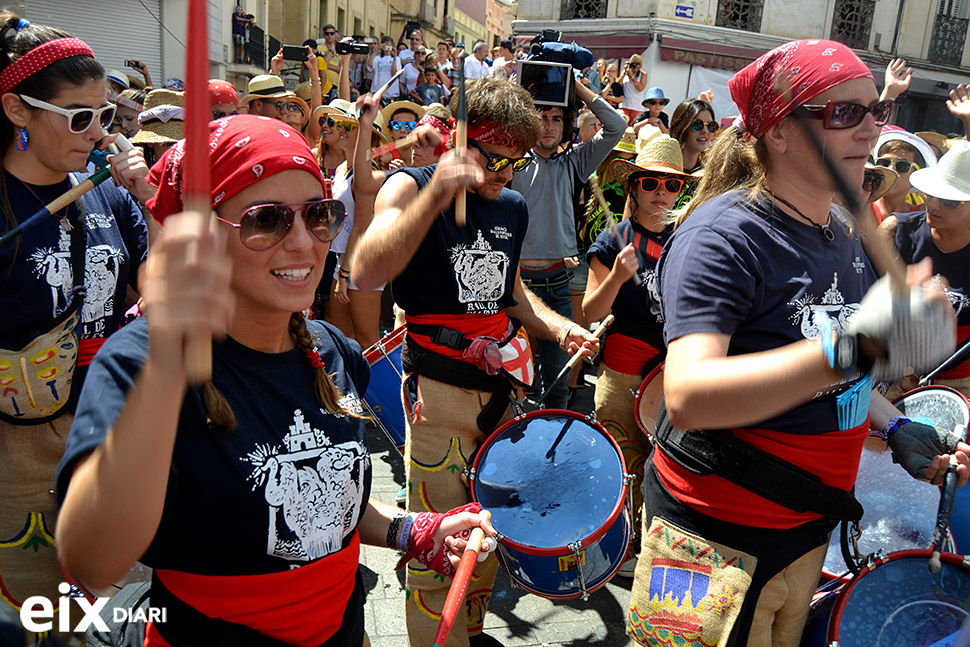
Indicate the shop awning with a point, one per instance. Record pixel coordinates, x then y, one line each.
715 55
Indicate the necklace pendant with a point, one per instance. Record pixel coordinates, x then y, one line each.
66 225
826 232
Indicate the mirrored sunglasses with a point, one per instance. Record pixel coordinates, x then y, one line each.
900 166
836 115
671 184
698 126
285 106
346 126
872 181
946 204
78 119
264 225
406 125
497 163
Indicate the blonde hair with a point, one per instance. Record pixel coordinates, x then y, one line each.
328 395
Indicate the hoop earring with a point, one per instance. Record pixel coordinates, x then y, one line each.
21 139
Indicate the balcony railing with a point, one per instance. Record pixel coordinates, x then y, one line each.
949 36
256 48
852 22
573 9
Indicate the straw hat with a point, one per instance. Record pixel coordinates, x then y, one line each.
934 139
396 106
658 154
950 178
627 143
347 112
889 177
265 86
161 120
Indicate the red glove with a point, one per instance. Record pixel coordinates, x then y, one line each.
421 540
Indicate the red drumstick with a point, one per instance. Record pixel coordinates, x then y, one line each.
459 585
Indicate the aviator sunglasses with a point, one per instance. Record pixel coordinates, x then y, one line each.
78 119
698 126
264 225
872 181
650 184
900 166
496 163
837 115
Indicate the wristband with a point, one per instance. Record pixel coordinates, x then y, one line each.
394 529
893 427
405 535
564 330
343 274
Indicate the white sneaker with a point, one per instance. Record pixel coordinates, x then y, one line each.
627 568
402 495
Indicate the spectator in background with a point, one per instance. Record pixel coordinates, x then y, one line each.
331 61
454 63
434 135
430 90
589 125
161 123
130 103
444 54
612 88
414 41
693 125
385 64
223 98
903 152
400 118
116 81
142 69
413 72
504 64
634 81
654 102
239 22
475 65
596 76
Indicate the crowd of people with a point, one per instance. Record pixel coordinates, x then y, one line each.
731 259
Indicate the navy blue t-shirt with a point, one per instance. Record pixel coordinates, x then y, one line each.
635 305
914 240
35 272
465 270
754 273
286 487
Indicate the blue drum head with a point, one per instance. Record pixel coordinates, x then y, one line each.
549 480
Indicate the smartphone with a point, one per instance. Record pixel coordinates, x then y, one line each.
129 64
294 53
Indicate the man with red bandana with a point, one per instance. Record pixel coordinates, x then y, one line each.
466 351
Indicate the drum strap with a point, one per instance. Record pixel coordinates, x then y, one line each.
706 451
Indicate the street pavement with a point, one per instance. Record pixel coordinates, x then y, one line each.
515 618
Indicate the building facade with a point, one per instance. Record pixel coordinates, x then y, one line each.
498 21
691 45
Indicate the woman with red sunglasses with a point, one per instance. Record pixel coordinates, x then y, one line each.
776 330
622 280
249 496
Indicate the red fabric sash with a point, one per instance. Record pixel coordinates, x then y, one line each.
474 325
833 457
302 607
962 369
87 348
627 354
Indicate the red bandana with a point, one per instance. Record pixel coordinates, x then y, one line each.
40 57
243 149
489 132
768 89
221 92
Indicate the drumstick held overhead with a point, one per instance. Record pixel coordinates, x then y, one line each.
459 585
462 142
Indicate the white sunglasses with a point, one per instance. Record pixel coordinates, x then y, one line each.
78 119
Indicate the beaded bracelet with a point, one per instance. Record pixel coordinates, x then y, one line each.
893 427
394 529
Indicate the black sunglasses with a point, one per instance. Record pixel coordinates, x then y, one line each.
329 33
497 163
946 204
872 180
219 114
655 102
698 126
650 184
837 115
900 166
264 225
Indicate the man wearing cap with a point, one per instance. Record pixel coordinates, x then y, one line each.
268 97
466 350
653 102
550 187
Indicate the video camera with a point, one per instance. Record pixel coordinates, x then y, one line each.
352 47
548 46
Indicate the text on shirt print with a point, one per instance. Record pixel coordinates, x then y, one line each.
481 273
648 277
958 301
833 304
314 490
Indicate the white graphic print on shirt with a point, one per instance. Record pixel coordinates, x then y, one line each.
481 273
833 304
314 490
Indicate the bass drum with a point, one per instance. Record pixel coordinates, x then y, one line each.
647 399
383 396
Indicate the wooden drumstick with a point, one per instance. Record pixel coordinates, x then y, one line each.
394 149
576 358
598 192
462 142
459 585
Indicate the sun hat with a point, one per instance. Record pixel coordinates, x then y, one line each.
627 143
895 133
162 119
397 106
654 93
347 110
265 86
950 178
659 153
118 77
935 139
889 177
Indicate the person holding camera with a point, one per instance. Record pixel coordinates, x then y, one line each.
550 187
634 82
384 63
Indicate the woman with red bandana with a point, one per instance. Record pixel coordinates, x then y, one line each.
268 462
776 329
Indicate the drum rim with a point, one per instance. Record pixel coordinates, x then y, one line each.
609 575
936 387
639 394
391 341
596 534
835 620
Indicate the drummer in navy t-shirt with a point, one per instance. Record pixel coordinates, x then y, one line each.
942 233
467 313
771 347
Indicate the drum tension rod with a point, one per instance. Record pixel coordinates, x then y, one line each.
577 547
628 479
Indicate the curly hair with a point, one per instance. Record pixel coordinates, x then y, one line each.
507 104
